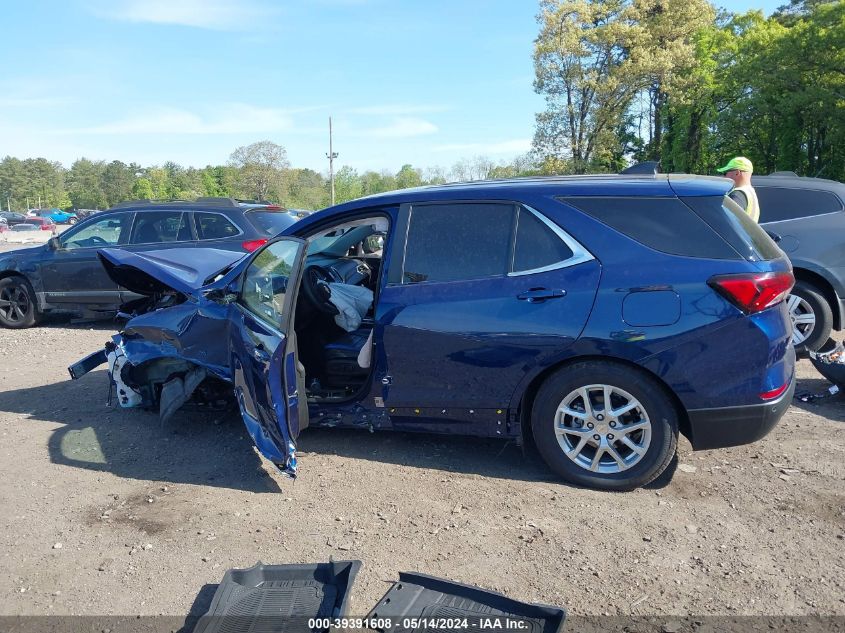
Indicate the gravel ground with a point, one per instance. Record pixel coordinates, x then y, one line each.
105 511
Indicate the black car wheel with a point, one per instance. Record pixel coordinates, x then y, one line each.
811 316
72 221
604 425
17 303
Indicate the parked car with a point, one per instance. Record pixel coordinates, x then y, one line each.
25 226
42 223
808 217
65 276
13 218
57 215
597 316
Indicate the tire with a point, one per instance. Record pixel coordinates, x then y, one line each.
655 436
72 221
806 300
17 303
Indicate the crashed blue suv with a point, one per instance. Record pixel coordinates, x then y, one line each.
598 317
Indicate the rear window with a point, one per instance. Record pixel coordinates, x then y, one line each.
537 245
269 222
664 224
782 203
214 226
729 220
452 242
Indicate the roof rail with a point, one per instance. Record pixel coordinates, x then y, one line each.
647 167
784 173
218 202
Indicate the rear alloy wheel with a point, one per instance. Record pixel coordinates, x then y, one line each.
812 319
72 221
604 425
17 303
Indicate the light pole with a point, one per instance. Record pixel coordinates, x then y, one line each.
331 156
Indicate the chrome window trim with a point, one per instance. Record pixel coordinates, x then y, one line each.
579 253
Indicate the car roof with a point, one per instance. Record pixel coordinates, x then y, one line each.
646 185
201 204
790 180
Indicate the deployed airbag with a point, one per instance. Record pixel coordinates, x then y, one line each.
352 303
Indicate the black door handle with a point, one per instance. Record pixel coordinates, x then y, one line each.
538 295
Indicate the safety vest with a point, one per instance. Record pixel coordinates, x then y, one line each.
752 206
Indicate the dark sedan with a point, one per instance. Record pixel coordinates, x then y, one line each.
64 276
13 218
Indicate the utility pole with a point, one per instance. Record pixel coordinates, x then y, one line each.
331 156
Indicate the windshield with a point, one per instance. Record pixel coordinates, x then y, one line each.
269 222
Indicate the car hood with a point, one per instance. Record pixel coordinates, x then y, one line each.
183 270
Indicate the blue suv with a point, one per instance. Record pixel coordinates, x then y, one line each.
598 317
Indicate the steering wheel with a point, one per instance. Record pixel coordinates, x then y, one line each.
315 287
96 240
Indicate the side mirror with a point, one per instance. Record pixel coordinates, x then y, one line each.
54 244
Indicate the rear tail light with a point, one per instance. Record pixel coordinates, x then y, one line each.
252 245
753 292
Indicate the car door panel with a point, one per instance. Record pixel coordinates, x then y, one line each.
263 356
75 275
468 344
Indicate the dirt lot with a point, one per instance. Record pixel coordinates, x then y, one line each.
105 511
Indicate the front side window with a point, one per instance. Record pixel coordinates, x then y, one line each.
266 281
160 226
214 226
109 231
450 242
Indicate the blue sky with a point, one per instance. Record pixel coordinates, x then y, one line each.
425 82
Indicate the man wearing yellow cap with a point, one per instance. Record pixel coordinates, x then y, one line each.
739 170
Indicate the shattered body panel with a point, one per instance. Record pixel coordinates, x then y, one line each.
189 331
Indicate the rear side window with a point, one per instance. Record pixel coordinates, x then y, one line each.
728 219
537 245
214 226
160 226
269 222
450 242
783 203
664 224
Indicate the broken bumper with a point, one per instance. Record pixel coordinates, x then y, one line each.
90 362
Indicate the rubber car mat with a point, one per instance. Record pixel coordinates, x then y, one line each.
420 603
265 598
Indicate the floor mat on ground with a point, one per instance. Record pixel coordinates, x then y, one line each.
279 597
425 603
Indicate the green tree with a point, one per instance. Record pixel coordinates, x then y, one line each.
116 182
408 177
142 190
347 185
261 166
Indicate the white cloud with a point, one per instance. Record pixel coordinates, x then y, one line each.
403 127
514 146
397 109
222 15
236 118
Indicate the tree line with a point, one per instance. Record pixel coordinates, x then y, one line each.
260 171
678 82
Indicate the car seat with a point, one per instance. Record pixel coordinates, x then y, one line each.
341 365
